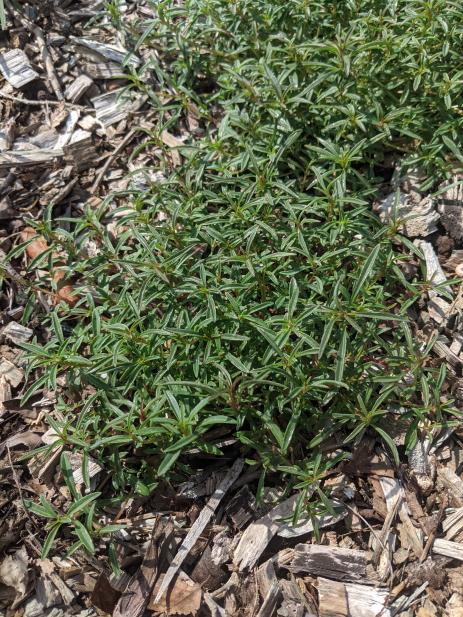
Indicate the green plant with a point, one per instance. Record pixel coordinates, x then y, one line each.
253 294
80 505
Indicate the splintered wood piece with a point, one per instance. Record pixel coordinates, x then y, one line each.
453 483
447 548
417 219
257 536
450 207
266 576
241 508
7 131
443 351
270 601
5 391
109 52
348 599
46 59
113 107
439 309
16 333
340 564
457 343
11 373
77 88
296 602
198 526
26 158
452 525
104 70
393 492
434 272
135 598
16 68
174 143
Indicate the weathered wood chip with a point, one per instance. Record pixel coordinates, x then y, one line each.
340 564
16 68
26 158
338 599
104 70
288 530
453 483
114 106
452 524
16 333
108 51
447 548
395 498
241 508
434 272
184 598
257 536
12 373
418 219
77 88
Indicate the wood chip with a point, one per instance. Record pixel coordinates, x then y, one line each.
447 548
257 536
184 597
340 564
199 525
241 508
174 144
77 88
16 68
443 351
5 392
114 106
104 70
105 50
417 219
348 599
27 158
11 373
434 272
453 483
288 530
392 493
452 525
135 598
16 333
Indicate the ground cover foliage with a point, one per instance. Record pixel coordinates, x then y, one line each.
252 294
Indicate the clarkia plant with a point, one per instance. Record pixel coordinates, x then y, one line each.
252 294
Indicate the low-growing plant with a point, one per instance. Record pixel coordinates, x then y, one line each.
253 294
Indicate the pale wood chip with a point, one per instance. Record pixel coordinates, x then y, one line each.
77 88
16 333
257 536
447 548
348 599
11 373
16 68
